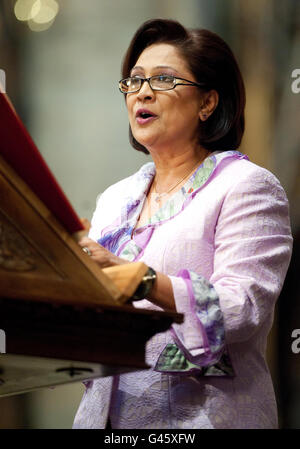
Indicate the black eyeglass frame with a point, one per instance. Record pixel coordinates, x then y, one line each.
175 79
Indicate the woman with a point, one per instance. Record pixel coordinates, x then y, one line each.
214 230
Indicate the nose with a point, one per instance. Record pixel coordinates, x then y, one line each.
145 91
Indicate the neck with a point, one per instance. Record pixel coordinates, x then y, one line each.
171 169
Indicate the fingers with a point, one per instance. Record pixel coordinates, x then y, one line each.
85 241
95 251
88 245
99 254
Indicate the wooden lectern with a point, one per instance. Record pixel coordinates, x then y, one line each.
65 319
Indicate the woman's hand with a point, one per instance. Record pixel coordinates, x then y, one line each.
162 291
101 255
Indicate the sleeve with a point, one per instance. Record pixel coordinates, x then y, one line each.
97 222
109 211
105 213
253 245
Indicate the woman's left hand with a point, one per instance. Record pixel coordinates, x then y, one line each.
99 254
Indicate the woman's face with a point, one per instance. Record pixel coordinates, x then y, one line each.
176 111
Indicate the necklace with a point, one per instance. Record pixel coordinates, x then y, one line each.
160 195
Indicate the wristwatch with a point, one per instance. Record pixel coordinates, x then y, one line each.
145 285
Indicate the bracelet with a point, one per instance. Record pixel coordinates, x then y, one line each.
145 286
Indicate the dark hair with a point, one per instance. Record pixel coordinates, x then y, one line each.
211 62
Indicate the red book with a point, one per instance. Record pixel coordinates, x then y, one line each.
20 152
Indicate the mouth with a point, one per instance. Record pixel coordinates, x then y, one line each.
144 116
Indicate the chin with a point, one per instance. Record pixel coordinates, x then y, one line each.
145 140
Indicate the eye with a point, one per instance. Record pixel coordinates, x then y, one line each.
165 77
163 82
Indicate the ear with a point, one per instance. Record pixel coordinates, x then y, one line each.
210 101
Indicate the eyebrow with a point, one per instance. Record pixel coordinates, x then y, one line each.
157 67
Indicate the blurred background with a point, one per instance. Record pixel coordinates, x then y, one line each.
62 62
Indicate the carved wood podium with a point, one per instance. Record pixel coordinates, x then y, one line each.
65 319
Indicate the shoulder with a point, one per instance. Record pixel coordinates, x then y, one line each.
252 204
242 175
252 197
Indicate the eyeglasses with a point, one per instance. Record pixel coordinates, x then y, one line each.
157 82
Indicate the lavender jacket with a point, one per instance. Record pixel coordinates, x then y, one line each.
225 242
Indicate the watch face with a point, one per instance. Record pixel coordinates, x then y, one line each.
151 273
145 286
